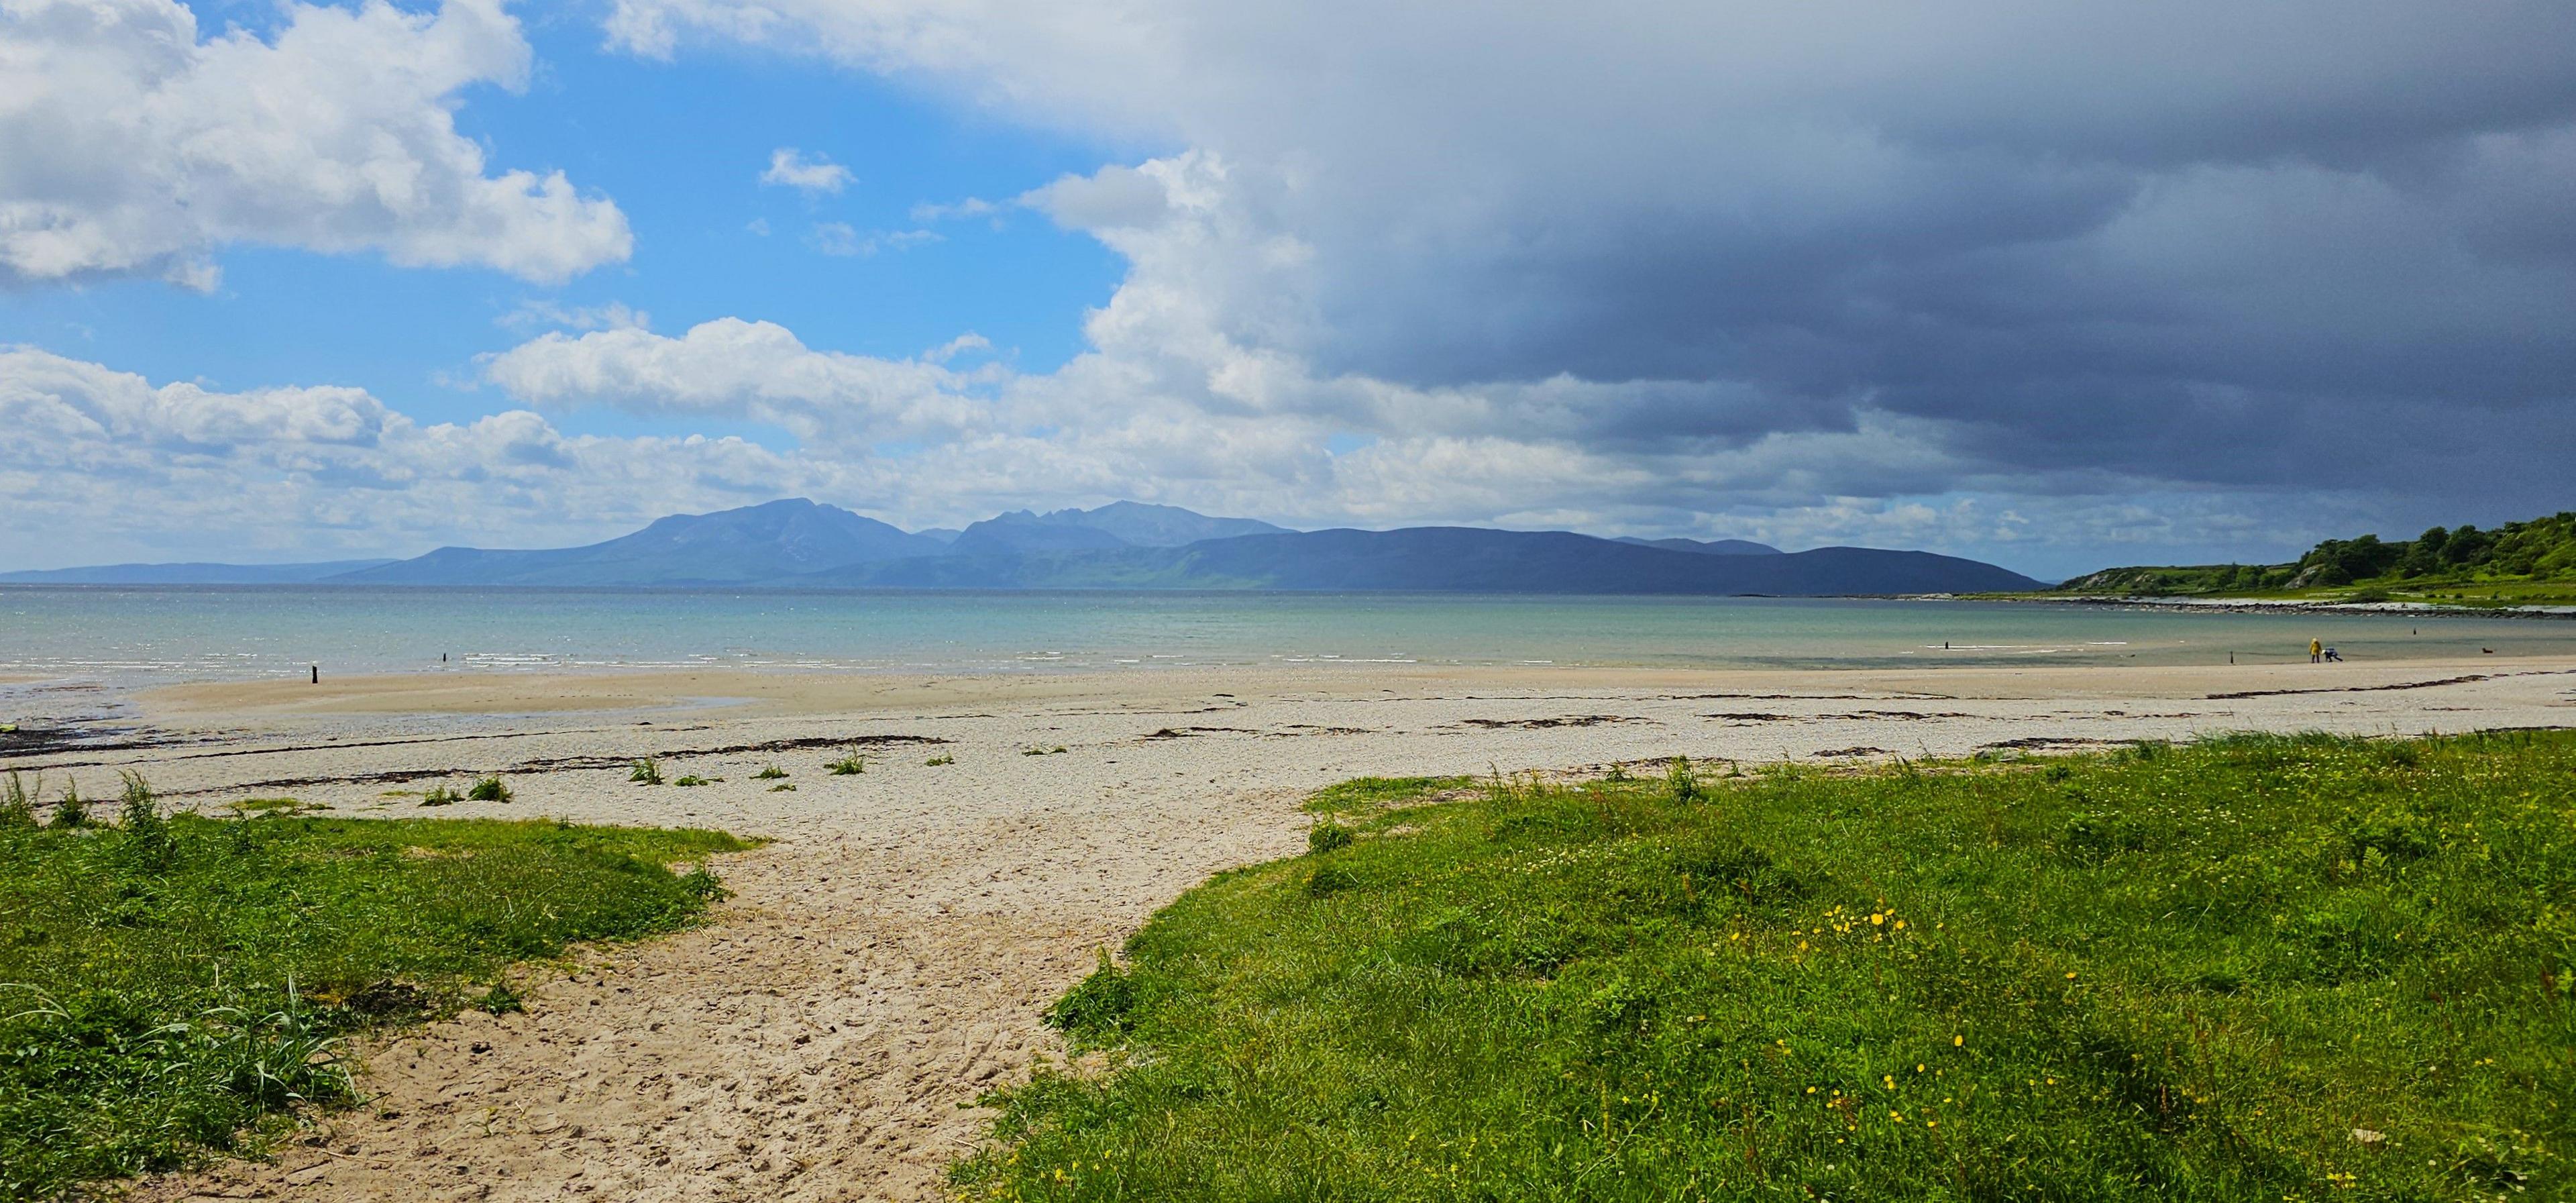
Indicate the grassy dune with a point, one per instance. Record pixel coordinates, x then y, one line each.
2253 968
172 987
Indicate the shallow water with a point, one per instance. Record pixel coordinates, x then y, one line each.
140 635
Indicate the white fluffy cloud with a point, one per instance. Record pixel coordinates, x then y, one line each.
131 145
791 168
730 368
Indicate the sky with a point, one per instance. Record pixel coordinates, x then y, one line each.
2058 285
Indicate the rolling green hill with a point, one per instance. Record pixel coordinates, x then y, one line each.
2530 562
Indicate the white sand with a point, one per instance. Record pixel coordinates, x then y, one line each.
888 957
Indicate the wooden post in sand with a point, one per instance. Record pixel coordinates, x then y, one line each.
317 674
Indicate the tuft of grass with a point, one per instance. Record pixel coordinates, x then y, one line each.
1099 1008
440 795
849 765
2268 967
1053 751
936 761
1680 781
783 787
18 800
260 807
1327 837
177 992
647 771
501 999
69 811
703 884
1377 793
769 772
693 779
489 789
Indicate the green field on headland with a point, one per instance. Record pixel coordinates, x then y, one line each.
2256 967
172 986
2517 564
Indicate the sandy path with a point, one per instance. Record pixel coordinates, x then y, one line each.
888 957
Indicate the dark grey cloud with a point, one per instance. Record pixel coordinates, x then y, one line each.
2315 252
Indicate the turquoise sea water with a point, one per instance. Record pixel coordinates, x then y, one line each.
139 635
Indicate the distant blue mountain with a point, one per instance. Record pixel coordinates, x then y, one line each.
1712 547
799 544
1144 525
745 546
190 574
1023 533
1118 524
1443 559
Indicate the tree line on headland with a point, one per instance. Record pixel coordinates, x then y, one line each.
2516 561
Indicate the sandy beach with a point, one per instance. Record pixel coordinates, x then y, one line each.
886 958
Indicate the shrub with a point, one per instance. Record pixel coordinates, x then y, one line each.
18 801
489 789
647 771
138 815
1681 780
70 812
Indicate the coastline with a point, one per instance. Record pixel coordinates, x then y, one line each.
2258 605
886 958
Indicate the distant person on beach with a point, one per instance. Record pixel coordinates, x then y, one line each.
2316 651
2332 658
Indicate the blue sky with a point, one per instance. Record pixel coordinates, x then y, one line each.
2056 286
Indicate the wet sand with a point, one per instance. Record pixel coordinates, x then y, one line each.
886 959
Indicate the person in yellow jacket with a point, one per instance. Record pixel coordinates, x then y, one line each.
2316 651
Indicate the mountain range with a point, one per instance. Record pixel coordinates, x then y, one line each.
797 543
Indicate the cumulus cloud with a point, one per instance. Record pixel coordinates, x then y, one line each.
2309 249
760 370
791 168
129 146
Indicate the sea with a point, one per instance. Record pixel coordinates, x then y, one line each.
135 636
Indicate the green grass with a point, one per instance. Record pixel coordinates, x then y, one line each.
170 987
2249 969
848 766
